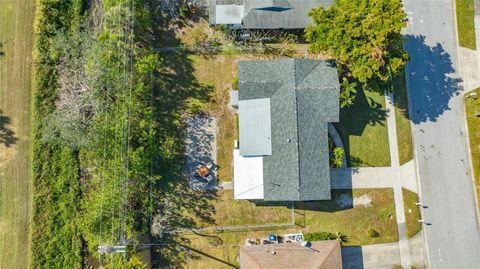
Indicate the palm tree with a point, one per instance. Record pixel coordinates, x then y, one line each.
347 93
340 237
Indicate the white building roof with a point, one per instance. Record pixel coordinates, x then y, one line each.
247 177
228 14
255 127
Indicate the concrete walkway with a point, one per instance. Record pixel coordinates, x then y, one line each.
469 64
469 59
374 177
228 185
476 12
385 255
397 183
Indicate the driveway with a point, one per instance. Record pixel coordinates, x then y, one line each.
437 110
382 255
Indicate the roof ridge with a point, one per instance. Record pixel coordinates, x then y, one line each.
315 64
296 127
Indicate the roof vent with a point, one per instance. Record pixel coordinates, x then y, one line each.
306 244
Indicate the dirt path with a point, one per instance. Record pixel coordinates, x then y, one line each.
16 38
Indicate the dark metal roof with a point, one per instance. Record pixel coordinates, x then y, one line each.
303 98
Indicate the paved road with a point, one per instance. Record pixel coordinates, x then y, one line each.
439 135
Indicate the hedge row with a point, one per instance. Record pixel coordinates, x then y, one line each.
56 242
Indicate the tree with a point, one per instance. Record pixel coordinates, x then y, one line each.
135 262
347 93
363 36
337 158
340 237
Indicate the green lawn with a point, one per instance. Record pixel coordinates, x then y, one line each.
412 212
364 132
219 249
465 23
219 72
404 133
16 36
472 107
229 212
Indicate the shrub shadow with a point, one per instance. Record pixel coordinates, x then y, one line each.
7 136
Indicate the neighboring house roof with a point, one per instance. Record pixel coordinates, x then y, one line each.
264 14
320 255
303 99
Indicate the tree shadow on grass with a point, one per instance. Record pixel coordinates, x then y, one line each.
354 119
175 87
341 200
7 136
401 95
432 79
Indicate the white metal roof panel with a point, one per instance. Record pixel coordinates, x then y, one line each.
255 127
229 14
247 177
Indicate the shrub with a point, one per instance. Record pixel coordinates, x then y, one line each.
319 236
373 233
56 241
235 84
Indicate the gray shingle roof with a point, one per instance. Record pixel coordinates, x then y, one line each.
279 14
304 98
272 14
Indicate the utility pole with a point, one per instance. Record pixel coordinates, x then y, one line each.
109 249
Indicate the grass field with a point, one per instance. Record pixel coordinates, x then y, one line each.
465 23
412 212
364 132
219 249
16 37
402 119
472 107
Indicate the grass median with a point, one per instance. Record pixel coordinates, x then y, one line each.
412 212
402 119
465 23
472 108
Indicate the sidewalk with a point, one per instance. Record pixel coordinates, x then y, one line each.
397 183
469 60
374 177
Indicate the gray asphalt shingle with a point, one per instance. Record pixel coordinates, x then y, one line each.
272 14
304 98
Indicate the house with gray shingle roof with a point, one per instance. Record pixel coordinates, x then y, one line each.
284 110
263 14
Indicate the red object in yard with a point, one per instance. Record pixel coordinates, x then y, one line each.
202 171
